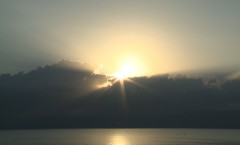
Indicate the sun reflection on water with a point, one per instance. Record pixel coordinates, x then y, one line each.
118 140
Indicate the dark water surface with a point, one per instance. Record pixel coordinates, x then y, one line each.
121 137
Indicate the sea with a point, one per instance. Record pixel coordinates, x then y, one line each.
121 137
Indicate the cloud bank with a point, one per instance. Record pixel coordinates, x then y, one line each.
65 95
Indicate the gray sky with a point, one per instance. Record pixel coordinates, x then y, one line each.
163 36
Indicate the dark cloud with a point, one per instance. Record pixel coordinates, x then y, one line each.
65 95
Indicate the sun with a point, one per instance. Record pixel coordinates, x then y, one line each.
130 66
126 71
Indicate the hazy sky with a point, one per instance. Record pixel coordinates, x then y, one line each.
158 36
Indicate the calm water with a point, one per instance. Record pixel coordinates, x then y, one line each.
121 137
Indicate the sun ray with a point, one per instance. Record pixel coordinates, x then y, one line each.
123 96
127 72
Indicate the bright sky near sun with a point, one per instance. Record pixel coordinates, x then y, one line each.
143 37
